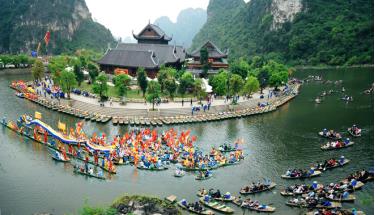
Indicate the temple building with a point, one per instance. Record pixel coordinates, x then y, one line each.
216 59
150 52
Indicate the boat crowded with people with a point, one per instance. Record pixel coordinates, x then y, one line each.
214 204
196 207
216 195
257 187
331 163
299 173
330 134
337 144
253 205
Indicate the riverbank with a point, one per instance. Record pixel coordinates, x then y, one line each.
323 67
133 114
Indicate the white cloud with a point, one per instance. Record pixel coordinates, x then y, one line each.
123 16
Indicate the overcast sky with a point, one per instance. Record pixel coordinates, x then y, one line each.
123 16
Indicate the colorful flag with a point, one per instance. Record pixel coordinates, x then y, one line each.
38 115
47 37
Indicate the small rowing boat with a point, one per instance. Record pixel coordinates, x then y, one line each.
193 209
257 189
326 166
327 134
88 174
153 168
341 211
300 189
204 177
336 145
303 204
349 198
358 134
260 208
223 198
308 175
179 173
60 159
216 206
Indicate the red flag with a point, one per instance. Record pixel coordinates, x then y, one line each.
46 37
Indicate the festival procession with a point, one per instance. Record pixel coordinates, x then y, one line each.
212 107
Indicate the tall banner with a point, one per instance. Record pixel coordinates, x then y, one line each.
47 37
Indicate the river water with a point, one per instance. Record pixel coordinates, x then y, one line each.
30 181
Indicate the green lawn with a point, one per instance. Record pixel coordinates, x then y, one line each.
132 94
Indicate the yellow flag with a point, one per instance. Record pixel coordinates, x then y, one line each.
38 115
61 126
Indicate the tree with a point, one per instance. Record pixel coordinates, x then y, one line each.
204 61
186 82
93 71
251 85
122 83
162 76
67 81
263 78
219 82
235 84
153 92
37 70
199 89
100 86
171 86
256 62
278 79
79 74
240 67
142 80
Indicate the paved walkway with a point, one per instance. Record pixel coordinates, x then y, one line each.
169 105
172 109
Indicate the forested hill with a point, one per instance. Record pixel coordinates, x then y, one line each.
299 32
188 24
23 24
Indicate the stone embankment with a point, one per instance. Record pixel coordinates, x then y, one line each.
166 116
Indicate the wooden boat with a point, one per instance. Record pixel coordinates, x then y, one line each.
60 159
179 174
316 173
217 206
346 161
199 177
152 168
326 147
352 133
350 198
304 205
191 209
329 137
272 185
89 175
266 209
201 193
346 211
286 193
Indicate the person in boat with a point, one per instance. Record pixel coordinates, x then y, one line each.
346 141
91 171
227 195
342 160
100 173
217 194
184 203
198 207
